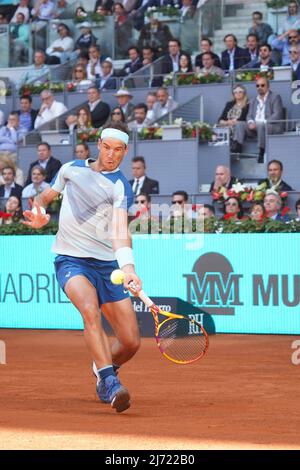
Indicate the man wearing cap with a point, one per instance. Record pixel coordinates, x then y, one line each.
86 39
92 241
124 100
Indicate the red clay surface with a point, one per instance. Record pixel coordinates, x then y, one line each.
243 395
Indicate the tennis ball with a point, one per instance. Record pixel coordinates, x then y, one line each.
117 277
35 211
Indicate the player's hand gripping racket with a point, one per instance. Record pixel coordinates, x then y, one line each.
179 338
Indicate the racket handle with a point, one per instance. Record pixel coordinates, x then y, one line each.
144 297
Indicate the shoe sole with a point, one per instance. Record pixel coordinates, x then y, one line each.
121 400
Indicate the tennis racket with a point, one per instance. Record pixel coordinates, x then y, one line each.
179 338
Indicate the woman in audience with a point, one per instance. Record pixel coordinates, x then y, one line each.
82 151
7 161
80 13
79 78
257 212
38 176
82 121
117 115
185 64
233 209
13 207
234 111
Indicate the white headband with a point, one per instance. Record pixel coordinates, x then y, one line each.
115 134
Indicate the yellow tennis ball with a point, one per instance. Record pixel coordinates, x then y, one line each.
117 276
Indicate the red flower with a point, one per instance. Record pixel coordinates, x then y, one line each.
231 193
4 215
215 195
285 210
284 194
250 196
228 216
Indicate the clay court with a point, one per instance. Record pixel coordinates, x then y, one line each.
243 395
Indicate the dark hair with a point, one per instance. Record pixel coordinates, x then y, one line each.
64 26
258 13
85 145
44 143
139 159
204 38
10 168
120 126
208 53
210 207
265 44
141 106
145 195
123 119
93 87
184 194
231 36
14 113
240 205
26 97
190 65
253 35
40 168
175 40
297 203
278 162
133 47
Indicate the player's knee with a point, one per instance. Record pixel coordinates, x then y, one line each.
91 315
133 344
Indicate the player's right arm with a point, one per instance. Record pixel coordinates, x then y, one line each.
39 219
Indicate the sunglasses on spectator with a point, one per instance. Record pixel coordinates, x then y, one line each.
143 201
116 112
78 70
177 202
293 37
260 85
231 204
293 52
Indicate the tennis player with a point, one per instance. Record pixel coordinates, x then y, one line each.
93 240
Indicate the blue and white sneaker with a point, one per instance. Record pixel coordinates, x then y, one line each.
100 386
118 395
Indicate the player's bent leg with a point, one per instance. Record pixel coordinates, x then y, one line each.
122 318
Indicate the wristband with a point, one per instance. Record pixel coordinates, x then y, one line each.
124 256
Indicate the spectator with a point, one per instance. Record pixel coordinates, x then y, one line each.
253 47
124 100
234 111
150 102
297 207
50 109
117 115
107 4
185 64
135 62
143 206
156 35
283 44
6 160
86 38
60 50
43 10
234 57
22 8
273 205
179 208
3 20
188 10
103 10
206 45
148 55
38 176
99 109
82 151
266 107
295 61
208 66
107 81
10 187
82 121
274 180
137 15
171 60
257 212
233 209
79 78
292 20
14 208
223 179
165 103
38 71
83 60
27 115
128 5
260 29
140 117
12 133
264 61
123 30
46 161
80 13
19 41
94 69
205 211
141 182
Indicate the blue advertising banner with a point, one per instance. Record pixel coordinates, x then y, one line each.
248 283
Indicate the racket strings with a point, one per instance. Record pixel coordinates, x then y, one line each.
181 341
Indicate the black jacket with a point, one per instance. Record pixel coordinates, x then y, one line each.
230 105
241 57
33 115
52 168
16 191
100 114
149 187
233 180
282 187
199 63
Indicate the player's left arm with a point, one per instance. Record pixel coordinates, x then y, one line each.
122 246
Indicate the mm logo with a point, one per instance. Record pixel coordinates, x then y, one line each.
212 285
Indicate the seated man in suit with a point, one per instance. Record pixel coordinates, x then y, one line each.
10 188
274 180
223 179
46 161
170 61
273 205
267 106
27 115
141 183
234 57
100 111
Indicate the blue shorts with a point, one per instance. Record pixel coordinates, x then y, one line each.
96 271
